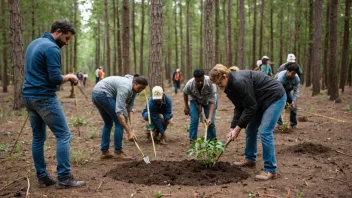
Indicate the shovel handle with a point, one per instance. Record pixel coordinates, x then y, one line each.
138 146
227 143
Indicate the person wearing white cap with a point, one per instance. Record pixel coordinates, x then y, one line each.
265 66
291 58
160 107
202 94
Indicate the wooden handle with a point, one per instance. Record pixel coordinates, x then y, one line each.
146 99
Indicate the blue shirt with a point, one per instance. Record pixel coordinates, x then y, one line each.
266 69
289 84
165 108
42 68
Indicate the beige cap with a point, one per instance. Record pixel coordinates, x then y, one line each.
157 92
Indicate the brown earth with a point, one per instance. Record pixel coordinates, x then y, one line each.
308 164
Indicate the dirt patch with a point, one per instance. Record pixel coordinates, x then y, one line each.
186 172
303 119
310 148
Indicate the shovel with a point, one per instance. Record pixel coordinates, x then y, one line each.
227 143
145 157
151 132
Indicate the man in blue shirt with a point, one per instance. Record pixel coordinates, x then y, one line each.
42 76
160 107
290 81
265 66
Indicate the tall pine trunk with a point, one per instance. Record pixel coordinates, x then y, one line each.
325 83
126 37
254 33
97 50
189 46
310 46
229 34
142 40
272 36
241 59
208 36
107 38
261 29
182 52
201 62
114 63
119 47
5 80
224 32
217 29
318 20
134 35
176 40
345 47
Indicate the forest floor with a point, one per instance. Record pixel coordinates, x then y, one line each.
307 158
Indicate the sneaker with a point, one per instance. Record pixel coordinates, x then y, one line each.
106 155
264 176
46 181
69 182
163 139
245 163
122 155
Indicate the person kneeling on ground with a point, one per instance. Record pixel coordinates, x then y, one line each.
160 107
259 100
114 97
291 82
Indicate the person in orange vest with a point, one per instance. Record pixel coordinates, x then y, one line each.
101 74
177 78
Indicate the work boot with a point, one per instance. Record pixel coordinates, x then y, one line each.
264 176
106 155
163 139
69 182
46 181
121 155
245 163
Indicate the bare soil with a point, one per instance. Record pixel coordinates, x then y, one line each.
309 159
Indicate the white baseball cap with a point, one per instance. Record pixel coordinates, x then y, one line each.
157 92
265 57
259 62
291 58
177 70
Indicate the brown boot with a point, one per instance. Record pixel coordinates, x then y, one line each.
163 139
264 176
122 155
245 163
106 155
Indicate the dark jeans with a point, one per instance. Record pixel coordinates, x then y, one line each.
106 107
293 111
48 112
161 118
177 85
96 80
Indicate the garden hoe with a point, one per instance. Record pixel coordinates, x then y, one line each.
145 157
227 143
151 132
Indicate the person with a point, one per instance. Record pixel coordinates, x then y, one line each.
258 64
42 76
160 108
290 81
101 74
202 95
97 74
291 58
114 97
80 78
177 78
265 66
258 100
85 77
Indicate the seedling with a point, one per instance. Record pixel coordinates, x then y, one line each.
4 147
78 157
78 122
186 127
207 151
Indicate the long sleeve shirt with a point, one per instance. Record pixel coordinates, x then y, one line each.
289 84
165 108
206 96
42 68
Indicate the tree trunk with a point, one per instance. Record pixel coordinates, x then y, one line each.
297 27
201 10
126 37
261 29
318 20
67 59
208 36
217 29
334 90
74 65
156 44
119 47
176 42
229 34
134 36
272 36
17 52
325 83
114 63
33 18
281 50
5 80
97 53
349 78
142 40
189 46
107 38
169 51
182 52
310 46
345 46
241 63
254 33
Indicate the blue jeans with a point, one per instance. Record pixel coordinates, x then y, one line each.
161 118
265 122
177 85
48 112
106 107
193 128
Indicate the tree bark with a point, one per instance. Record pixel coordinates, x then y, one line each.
107 38
182 52
241 63
189 46
201 62
281 38
156 45
272 36
224 28
229 34
114 63
74 65
17 52
5 80
297 27
325 83
176 42
33 18
318 20
208 36
334 91
310 46
142 40
217 29
349 78
97 53
254 33
126 37
119 47
261 29
134 36
345 47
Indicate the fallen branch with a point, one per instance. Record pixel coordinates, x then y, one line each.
29 185
343 153
13 148
11 183
327 117
101 183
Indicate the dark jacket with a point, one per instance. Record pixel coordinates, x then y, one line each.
155 109
251 92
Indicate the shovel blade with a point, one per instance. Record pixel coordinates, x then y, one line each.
146 159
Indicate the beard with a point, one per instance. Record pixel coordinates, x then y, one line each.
59 42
